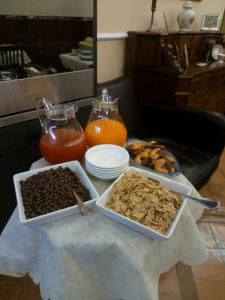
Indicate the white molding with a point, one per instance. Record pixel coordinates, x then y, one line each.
109 36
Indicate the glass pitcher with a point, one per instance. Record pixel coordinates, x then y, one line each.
105 125
62 137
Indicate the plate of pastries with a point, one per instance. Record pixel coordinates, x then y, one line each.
152 156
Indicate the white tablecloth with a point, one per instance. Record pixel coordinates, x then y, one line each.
95 258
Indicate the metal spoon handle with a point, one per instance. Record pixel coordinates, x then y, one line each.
84 210
208 203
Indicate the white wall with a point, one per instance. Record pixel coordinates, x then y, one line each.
73 8
126 15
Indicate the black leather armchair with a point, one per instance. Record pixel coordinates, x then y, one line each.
196 137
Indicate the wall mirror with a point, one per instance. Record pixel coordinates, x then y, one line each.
46 49
39 45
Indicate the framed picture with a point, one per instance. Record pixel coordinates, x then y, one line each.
211 22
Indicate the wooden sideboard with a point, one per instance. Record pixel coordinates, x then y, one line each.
162 77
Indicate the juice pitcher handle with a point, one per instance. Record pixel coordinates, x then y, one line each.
43 107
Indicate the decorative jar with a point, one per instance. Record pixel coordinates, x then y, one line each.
186 17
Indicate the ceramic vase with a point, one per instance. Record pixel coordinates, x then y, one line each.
185 18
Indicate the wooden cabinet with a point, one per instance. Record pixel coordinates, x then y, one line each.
161 76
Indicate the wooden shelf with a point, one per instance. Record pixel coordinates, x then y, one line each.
158 64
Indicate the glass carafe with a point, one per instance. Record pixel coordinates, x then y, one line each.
62 136
105 125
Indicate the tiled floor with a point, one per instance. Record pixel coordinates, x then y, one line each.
209 277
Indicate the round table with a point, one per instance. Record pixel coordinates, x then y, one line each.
93 257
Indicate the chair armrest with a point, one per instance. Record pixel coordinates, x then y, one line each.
198 128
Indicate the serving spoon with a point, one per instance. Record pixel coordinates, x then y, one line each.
84 210
208 203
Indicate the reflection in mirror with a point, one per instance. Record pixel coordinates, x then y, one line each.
39 45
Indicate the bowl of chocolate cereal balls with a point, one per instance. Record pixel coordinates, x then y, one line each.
47 194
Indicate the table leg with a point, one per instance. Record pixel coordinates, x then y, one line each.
186 282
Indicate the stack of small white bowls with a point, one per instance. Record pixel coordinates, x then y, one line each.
106 161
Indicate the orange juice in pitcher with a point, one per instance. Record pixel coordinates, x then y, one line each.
105 125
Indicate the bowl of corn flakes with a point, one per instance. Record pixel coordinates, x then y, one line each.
145 201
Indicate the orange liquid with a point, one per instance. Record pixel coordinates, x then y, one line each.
105 132
63 144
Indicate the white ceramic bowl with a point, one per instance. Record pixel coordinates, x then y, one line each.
109 170
46 218
114 175
170 184
106 161
106 172
104 176
107 156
